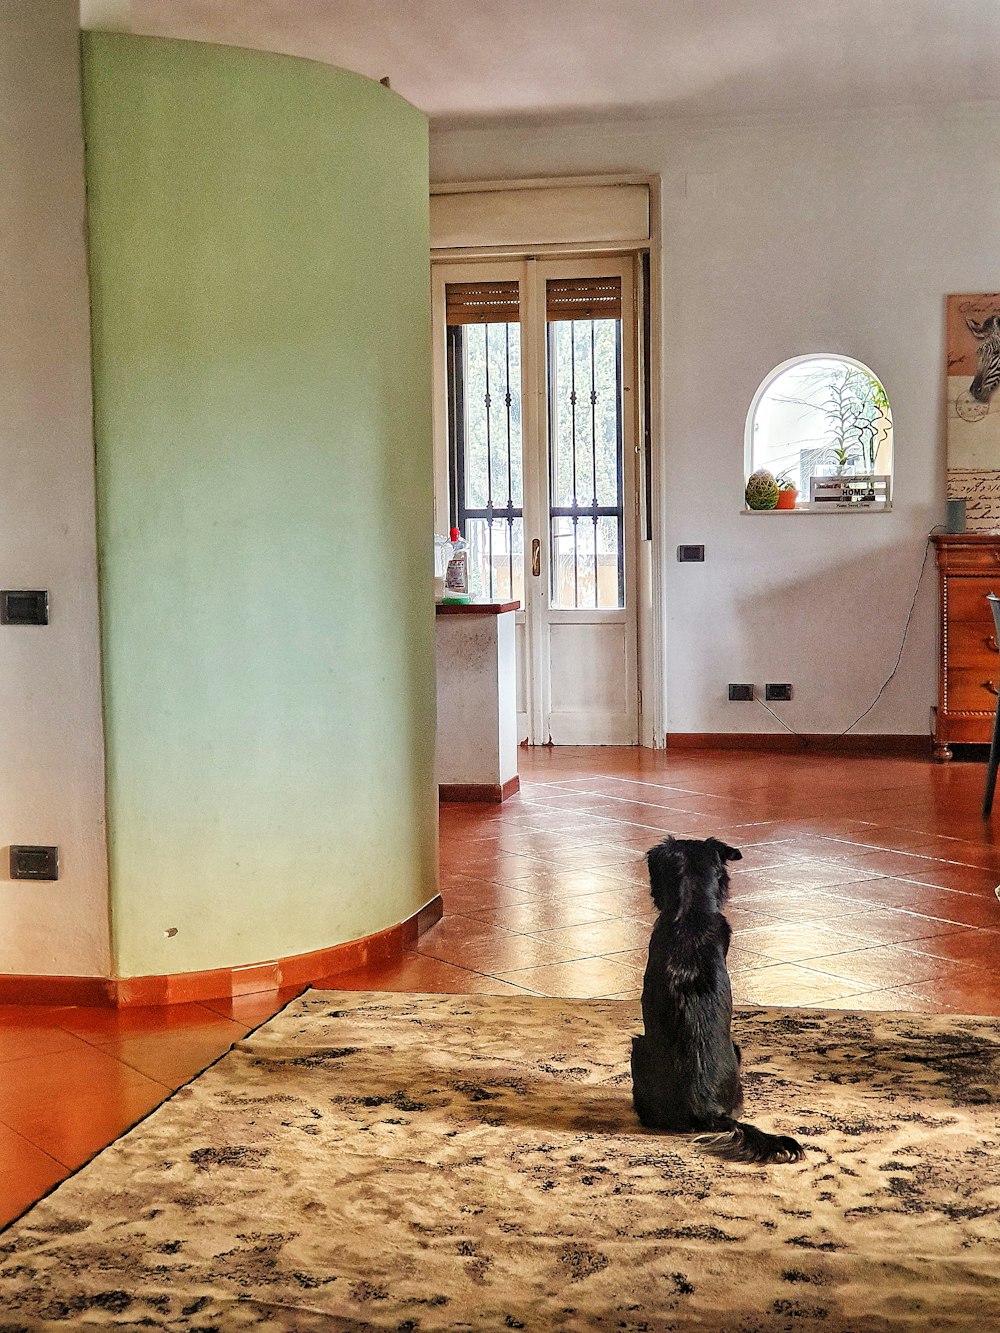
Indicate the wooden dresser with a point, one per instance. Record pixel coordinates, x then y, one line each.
969 662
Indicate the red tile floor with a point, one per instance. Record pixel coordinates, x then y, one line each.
866 883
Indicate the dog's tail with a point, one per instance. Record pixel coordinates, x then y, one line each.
745 1143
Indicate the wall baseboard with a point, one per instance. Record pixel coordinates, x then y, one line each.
483 792
816 742
224 982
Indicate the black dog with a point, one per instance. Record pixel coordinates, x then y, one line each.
686 1069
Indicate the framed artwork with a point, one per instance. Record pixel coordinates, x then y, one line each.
973 349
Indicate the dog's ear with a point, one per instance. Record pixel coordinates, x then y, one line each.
656 855
663 873
724 851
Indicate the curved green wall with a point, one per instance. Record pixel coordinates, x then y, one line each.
259 277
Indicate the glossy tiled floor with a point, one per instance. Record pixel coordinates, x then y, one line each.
865 884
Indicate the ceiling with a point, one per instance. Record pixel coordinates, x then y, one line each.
470 61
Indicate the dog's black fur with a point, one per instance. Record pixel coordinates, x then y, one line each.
686 1069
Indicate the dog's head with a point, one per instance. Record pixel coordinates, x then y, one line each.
687 873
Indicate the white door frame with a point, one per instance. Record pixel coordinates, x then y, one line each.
487 239
536 620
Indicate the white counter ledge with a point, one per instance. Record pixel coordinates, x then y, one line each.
476 701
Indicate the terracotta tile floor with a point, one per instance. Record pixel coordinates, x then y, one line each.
866 883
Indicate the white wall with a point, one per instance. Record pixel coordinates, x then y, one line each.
781 238
51 745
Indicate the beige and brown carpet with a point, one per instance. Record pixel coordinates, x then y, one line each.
441 1162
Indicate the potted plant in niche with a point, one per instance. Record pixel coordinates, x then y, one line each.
788 492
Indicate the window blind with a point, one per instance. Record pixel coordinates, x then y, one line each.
474 218
583 298
482 303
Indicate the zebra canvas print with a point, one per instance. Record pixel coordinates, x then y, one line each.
973 346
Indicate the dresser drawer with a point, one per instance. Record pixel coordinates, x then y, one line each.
965 599
972 643
966 692
970 559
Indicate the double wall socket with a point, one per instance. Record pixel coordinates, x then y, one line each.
781 694
772 693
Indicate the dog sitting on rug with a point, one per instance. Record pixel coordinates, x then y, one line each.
686 1068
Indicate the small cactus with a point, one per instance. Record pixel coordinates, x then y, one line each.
762 490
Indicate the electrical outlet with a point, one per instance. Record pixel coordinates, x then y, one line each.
34 862
741 694
24 608
690 554
781 694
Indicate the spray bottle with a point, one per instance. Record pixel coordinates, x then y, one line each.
442 554
456 575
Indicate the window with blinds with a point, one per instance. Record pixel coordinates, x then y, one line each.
484 432
585 442
585 460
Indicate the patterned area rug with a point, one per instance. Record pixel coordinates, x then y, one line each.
441 1162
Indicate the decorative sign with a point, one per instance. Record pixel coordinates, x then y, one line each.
973 345
852 491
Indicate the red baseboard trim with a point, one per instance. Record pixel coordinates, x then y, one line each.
429 915
479 792
817 742
224 982
93 992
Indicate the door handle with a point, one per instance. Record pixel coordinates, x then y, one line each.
991 642
988 685
536 557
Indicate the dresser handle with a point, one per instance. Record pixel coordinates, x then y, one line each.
991 642
988 685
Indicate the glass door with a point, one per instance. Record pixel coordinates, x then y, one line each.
537 371
587 615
